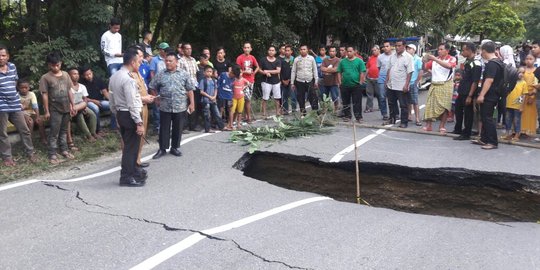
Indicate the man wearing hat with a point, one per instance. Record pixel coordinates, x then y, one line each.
156 65
414 86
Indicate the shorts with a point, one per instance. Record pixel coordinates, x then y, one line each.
248 92
275 89
222 103
413 94
237 105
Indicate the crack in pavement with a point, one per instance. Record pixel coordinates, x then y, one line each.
164 225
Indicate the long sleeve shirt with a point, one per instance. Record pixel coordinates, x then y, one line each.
111 44
304 69
125 95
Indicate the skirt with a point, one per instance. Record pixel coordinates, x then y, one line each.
439 100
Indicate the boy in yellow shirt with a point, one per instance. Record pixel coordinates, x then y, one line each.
31 109
514 108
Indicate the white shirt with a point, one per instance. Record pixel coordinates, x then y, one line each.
440 73
79 94
111 44
400 66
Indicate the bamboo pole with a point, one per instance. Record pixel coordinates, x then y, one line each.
356 164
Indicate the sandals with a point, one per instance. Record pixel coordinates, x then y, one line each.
442 131
72 147
68 155
54 160
418 123
368 110
8 162
427 129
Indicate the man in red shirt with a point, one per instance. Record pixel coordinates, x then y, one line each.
372 88
249 66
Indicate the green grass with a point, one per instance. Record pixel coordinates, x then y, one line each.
87 152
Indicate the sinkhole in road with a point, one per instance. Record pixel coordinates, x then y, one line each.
450 192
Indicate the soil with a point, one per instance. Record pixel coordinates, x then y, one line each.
447 192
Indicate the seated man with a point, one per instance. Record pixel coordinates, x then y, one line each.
84 113
98 96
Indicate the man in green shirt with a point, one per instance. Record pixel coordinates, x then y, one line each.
352 73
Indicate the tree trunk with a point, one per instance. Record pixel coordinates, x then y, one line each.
33 13
160 21
146 15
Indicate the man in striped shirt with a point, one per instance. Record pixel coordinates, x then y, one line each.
11 110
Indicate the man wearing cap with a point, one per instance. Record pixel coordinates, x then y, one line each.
156 65
414 85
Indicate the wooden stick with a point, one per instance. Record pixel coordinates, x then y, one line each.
356 164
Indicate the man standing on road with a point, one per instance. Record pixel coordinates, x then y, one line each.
304 77
489 97
111 46
11 110
126 102
372 88
175 88
398 79
188 64
382 63
439 100
285 74
330 83
249 66
472 71
156 65
414 86
352 73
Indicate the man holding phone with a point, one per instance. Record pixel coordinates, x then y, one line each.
175 87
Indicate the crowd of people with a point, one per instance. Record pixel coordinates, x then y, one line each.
181 93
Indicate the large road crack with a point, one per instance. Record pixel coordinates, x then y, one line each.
163 225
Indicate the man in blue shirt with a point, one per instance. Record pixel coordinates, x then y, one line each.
11 110
416 78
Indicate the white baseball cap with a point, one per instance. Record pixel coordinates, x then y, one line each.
412 46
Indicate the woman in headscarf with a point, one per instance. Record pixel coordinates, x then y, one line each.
507 56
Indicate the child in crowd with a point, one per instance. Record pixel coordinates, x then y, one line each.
238 104
55 87
31 109
529 115
457 79
209 91
83 113
225 95
514 106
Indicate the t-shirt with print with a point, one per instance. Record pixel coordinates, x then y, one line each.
222 66
247 63
57 90
472 71
267 65
225 86
238 88
79 94
210 89
515 99
29 103
330 79
494 71
350 71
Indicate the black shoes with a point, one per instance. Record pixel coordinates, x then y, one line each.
176 152
132 182
403 125
462 138
159 154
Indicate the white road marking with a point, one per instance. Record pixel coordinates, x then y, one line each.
94 175
197 237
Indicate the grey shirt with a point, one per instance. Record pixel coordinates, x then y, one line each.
124 94
304 69
399 67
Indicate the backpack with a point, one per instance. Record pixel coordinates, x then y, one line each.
509 80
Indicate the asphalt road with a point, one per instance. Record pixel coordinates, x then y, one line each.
198 212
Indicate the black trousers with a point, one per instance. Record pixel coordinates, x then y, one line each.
393 97
501 110
489 130
303 89
353 94
195 118
168 137
464 116
132 142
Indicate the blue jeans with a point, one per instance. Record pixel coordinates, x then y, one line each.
156 117
210 111
332 91
112 68
104 108
285 94
513 116
382 100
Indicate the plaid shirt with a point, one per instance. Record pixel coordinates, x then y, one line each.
190 66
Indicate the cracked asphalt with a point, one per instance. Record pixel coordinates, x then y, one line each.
95 224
